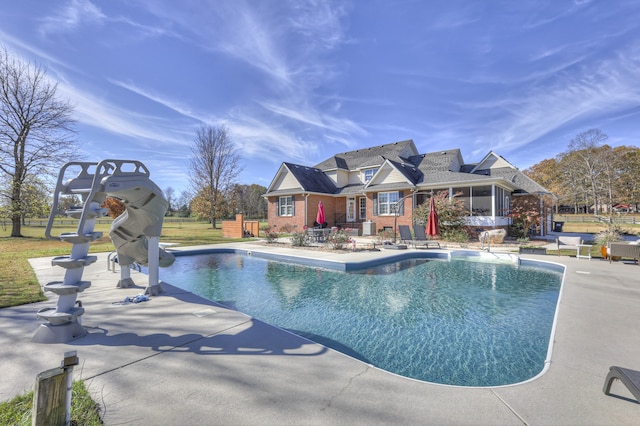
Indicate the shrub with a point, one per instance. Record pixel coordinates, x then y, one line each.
385 235
271 236
456 235
452 216
300 239
339 239
523 218
611 234
286 228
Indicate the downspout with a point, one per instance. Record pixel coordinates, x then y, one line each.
306 210
493 204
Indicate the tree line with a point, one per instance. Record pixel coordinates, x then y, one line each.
591 176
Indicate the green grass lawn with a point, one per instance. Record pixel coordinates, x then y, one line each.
84 411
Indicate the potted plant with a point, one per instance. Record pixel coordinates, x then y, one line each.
603 238
532 250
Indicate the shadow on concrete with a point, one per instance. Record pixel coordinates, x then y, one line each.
253 338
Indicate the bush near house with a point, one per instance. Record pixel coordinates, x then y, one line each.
451 216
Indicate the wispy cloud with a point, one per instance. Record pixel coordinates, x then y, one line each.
72 15
174 105
609 87
101 114
313 117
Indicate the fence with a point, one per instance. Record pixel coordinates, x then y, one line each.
621 219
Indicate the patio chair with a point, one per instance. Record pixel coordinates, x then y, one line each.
568 243
624 250
630 378
405 234
422 239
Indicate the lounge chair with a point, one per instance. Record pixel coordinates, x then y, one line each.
405 234
624 250
420 238
630 378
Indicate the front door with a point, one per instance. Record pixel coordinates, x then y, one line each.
351 209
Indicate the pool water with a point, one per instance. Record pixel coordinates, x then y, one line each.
451 322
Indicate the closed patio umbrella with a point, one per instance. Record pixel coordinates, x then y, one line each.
432 224
320 219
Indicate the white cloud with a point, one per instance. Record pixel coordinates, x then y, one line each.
72 15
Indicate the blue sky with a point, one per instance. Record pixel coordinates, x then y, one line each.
299 81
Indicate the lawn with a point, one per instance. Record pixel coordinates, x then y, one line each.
18 283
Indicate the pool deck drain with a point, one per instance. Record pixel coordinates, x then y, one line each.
180 359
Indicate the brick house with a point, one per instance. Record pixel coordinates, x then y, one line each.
383 184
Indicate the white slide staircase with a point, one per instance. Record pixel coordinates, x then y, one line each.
135 234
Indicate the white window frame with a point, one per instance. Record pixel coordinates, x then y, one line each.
387 201
362 208
368 174
285 206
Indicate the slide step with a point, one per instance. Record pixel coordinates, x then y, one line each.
68 263
58 318
60 288
74 238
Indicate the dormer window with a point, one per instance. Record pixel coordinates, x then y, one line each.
368 174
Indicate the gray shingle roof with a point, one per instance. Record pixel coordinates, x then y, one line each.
368 157
311 179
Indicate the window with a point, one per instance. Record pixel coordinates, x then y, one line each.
481 200
387 202
285 206
363 208
368 174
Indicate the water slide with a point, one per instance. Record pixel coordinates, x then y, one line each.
144 212
135 234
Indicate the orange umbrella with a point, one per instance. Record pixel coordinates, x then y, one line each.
432 224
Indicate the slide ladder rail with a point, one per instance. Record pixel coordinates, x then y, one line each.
78 185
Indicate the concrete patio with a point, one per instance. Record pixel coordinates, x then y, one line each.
180 359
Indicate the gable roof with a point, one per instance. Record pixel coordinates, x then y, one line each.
369 157
309 179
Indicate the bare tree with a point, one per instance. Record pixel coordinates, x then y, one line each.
170 195
35 129
590 159
214 166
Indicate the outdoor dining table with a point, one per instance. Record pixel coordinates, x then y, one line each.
318 234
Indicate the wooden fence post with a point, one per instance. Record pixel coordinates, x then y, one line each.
52 395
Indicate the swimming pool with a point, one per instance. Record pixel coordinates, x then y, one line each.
451 322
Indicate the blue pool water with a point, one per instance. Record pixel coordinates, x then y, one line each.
458 322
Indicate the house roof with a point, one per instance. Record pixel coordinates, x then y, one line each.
311 179
401 167
369 157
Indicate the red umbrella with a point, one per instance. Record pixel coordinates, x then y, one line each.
432 224
320 217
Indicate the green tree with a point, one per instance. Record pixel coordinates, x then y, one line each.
35 198
35 129
202 208
627 184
